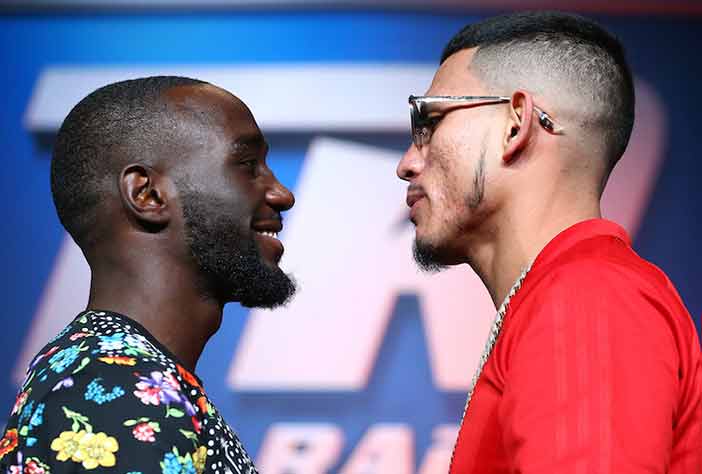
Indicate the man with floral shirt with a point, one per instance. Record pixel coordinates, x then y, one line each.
163 183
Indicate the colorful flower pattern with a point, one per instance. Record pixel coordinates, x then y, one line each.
20 401
96 450
64 358
8 443
115 398
158 388
144 432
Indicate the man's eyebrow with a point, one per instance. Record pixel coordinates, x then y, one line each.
249 141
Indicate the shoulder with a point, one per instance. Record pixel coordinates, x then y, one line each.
137 416
601 286
603 271
101 384
107 387
103 372
83 350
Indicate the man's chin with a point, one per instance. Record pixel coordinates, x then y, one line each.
274 291
428 257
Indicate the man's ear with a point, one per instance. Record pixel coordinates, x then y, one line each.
144 195
518 129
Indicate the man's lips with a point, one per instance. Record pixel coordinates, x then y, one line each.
269 227
413 198
268 232
414 195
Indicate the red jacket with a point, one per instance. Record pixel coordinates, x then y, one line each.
596 369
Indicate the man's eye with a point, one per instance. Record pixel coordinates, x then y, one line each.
432 121
250 165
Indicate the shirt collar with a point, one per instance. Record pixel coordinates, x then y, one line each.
577 233
126 320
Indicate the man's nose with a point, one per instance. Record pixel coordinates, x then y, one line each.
279 197
411 164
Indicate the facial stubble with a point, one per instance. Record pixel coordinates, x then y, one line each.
429 256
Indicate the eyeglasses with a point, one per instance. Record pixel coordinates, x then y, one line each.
427 111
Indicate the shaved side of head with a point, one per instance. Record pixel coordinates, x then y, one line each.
569 59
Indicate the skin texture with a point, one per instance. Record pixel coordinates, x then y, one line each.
492 187
214 171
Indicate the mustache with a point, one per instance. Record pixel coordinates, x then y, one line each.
415 189
278 218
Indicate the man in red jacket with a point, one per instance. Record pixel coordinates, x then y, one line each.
593 362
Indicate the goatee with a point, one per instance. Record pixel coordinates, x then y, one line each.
427 257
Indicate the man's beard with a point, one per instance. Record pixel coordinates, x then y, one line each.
228 256
427 255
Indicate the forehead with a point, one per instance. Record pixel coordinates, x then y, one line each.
216 108
455 76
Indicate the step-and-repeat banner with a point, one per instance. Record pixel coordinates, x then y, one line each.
366 370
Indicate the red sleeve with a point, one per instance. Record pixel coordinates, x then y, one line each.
591 380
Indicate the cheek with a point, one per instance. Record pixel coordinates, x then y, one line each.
445 209
246 194
452 180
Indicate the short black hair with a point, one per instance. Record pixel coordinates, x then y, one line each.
110 127
580 46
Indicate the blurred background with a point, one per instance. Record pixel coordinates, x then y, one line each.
367 370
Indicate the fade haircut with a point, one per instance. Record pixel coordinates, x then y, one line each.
117 124
564 57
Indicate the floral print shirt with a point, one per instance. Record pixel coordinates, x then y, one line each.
105 396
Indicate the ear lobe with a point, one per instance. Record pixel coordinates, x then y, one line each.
518 129
144 196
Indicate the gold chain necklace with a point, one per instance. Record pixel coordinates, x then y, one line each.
489 346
